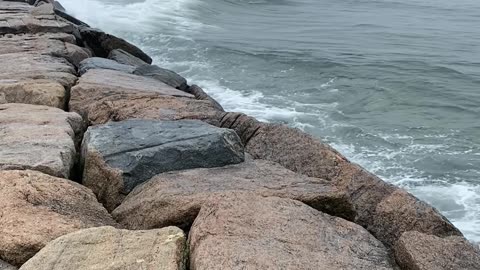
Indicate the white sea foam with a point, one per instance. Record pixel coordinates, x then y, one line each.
136 16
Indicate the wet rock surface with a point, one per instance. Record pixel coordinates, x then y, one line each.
418 251
118 156
36 208
103 95
175 198
102 44
251 232
108 248
38 138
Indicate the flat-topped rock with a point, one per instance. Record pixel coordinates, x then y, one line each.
174 198
6 266
108 248
103 95
120 81
54 44
36 208
38 138
103 63
18 17
385 210
251 232
118 156
418 251
36 92
21 66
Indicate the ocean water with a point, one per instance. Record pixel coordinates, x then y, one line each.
392 84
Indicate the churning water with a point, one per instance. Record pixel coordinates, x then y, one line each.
393 84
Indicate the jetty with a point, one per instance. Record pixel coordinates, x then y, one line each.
110 162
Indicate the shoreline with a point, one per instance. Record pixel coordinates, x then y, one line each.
127 126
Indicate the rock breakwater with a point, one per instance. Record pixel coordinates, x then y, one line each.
109 162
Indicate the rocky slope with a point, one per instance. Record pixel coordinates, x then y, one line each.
110 162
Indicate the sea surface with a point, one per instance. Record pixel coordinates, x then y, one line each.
392 84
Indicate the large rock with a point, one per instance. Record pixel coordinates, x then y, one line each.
118 156
164 75
202 95
125 58
38 138
102 44
21 66
36 208
418 251
6 266
400 212
37 92
250 232
103 95
103 63
16 18
383 209
174 198
108 248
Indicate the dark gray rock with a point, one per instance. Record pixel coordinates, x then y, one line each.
164 75
102 44
118 156
58 6
125 58
103 63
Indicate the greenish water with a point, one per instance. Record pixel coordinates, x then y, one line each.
394 85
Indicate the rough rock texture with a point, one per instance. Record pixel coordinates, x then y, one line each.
38 138
41 43
118 156
54 44
102 63
107 248
125 58
16 18
166 76
174 198
201 95
37 92
401 212
103 95
250 232
418 251
36 208
6 266
20 66
102 44
385 210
